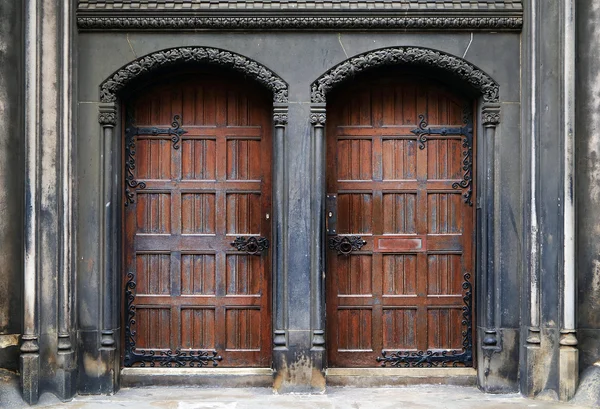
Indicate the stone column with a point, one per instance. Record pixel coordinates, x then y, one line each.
489 337
109 283
568 353
318 186
279 274
47 352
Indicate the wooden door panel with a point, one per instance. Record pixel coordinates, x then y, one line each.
403 291
189 291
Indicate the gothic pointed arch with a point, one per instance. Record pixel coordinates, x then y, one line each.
142 66
409 56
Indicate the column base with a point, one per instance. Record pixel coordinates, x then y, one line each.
30 377
299 370
568 372
66 375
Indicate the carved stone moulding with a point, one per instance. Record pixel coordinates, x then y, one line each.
110 88
413 56
141 21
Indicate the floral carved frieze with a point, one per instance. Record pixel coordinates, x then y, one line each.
144 65
287 23
414 56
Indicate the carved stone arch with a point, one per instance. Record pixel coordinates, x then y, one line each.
414 56
142 66
111 91
489 340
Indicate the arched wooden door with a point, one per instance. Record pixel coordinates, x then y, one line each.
197 198
400 225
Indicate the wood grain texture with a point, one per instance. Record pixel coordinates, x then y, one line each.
194 290
403 290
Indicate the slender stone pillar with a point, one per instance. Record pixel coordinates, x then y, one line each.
488 335
531 326
568 352
109 262
279 274
490 119
47 352
318 186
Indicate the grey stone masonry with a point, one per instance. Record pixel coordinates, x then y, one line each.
302 4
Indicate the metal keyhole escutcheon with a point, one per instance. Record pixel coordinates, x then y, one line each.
346 244
251 245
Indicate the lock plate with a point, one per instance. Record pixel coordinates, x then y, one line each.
331 214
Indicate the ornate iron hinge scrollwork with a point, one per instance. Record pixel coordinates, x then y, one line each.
131 132
175 132
251 245
444 358
151 357
467 131
346 244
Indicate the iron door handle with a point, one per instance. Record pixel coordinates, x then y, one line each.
345 245
251 245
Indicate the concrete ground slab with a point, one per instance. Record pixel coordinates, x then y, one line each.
413 397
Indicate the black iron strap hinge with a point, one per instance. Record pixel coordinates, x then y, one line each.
131 132
424 130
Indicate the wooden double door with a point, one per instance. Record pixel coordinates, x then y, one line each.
197 227
400 225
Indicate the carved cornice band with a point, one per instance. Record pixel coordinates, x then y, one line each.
144 65
294 23
415 56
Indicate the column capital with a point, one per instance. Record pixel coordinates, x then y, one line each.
318 115
280 115
108 115
490 115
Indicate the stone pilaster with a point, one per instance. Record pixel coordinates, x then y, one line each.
11 181
47 351
587 184
549 365
299 363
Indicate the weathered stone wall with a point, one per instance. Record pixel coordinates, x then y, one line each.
11 181
298 58
588 180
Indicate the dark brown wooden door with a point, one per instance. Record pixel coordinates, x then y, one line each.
404 290
200 191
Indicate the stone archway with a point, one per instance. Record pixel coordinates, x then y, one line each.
479 84
111 91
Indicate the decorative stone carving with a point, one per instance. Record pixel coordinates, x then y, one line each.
248 5
405 55
291 22
318 118
107 118
280 118
490 115
144 65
